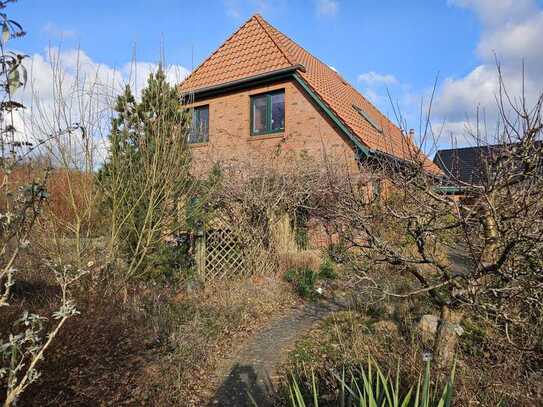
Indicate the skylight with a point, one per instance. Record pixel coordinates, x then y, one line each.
368 118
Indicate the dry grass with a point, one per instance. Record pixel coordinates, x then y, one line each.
300 259
147 345
488 371
205 326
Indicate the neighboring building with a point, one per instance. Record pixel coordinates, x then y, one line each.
463 164
470 165
260 91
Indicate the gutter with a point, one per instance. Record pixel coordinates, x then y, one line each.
244 82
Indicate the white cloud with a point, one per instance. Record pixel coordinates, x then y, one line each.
327 8
515 41
495 12
373 78
460 96
53 30
67 87
511 34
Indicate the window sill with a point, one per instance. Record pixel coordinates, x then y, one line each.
197 145
267 136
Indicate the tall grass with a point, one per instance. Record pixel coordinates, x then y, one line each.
369 387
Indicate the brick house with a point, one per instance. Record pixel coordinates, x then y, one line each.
260 89
260 92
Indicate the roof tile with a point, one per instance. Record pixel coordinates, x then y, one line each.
257 47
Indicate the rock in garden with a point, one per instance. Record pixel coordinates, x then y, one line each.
428 324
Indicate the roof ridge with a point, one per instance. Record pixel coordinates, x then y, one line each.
327 67
260 21
472 147
296 44
286 37
219 48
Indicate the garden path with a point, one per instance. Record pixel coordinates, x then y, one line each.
253 369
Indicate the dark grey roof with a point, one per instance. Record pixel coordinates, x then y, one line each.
461 163
467 164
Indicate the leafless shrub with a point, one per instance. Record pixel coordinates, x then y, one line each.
21 200
81 105
469 246
260 201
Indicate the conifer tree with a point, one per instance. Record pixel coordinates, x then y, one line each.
147 172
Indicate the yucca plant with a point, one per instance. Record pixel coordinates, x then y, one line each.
369 387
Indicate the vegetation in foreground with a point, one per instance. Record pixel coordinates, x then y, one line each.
488 372
367 386
158 346
99 305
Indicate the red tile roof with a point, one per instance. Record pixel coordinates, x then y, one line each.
257 48
249 51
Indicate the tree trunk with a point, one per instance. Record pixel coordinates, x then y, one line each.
446 338
490 236
200 254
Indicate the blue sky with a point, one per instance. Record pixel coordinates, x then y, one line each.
375 45
412 40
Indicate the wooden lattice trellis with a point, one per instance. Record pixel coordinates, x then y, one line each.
223 254
225 251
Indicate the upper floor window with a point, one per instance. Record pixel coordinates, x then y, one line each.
268 113
199 127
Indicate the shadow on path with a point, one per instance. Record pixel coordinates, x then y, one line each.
242 386
252 371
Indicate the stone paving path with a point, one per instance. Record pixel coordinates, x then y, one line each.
253 369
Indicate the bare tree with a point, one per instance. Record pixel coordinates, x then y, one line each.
468 245
81 105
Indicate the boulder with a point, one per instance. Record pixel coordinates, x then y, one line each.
428 324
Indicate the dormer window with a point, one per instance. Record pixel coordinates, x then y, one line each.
199 127
268 113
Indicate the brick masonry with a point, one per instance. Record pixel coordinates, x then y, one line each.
308 132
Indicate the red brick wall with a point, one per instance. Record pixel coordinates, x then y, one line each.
307 130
